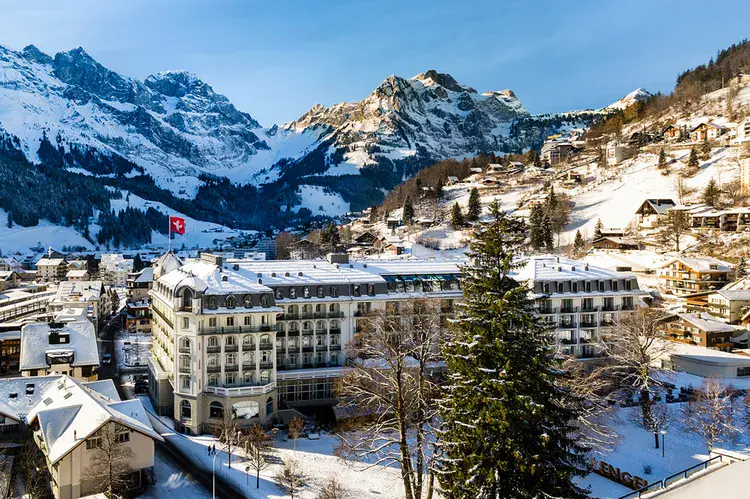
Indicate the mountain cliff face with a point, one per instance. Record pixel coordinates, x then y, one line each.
174 128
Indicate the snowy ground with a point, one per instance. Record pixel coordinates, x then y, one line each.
321 201
634 449
171 482
316 457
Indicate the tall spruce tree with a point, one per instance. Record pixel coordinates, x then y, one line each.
457 218
579 245
705 149
507 419
475 205
408 212
693 159
547 235
662 160
536 236
598 229
712 194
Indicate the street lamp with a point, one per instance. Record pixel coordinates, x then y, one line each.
663 433
213 476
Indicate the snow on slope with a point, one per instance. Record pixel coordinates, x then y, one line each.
198 233
615 201
637 95
321 201
45 234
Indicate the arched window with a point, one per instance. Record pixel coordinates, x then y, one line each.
335 325
186 410
293 327
184 362
265 341
248 301
320 326
215 410
187 299
306 309
292 292
269 406
279 342
265 376
212 303
248 359
334 290
307 326
213 360
306 341
213 341
264 301
230 341
306 291
280 327
279 293
248 342
185 323
213 380
185 344
247 378
320 292
231 301
231 359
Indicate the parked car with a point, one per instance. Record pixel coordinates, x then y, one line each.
107 358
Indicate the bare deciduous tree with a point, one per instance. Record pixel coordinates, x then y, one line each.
672 228
291 479
296 428
257 445
109 471
33 468
682 188
229 434
391 382
632 348
710 414
333 490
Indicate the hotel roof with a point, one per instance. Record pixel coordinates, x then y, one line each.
35 344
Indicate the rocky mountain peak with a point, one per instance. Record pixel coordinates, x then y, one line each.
31 53
431 78
178 83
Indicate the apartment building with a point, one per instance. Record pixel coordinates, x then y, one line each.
114 269
68 419
684 276
90 295
52 269
139 283
726 304
701 329
253 336
579 301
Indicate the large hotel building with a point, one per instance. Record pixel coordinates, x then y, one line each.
252 337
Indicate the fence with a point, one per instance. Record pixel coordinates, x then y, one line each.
671 479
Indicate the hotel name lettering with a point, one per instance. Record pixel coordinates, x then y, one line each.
616 475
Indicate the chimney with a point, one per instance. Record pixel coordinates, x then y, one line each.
338 258
75 435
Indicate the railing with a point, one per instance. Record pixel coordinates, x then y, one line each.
264 345
184 349
213 369
234 329
568 310
163 317
185 369
241 390
266 365
336 331
231 348
321 348
307 332
213 349
548 311
666 482
248 365
307 349
233 368
335 348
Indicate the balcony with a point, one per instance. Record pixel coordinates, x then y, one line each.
361 313
610 307
587 323
241 390
248 347
234 329
184 349
320 332
266 365
293 333
307 332
568 310
266 345
213 369
335 348
232 348
280 350
231 368
184 369
548 311
248 366
566 325
335 331
321 348
213 349
307 349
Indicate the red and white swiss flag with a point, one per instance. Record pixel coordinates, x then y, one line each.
177 225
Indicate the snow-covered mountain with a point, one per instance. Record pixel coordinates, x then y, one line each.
637 95
175 128
430 116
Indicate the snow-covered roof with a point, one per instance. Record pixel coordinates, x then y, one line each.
50 262
660 206
166 264
77 273
35 345
702 264
19 395
553 268
617 240
735 294
145 275
79 291
707 322
69 411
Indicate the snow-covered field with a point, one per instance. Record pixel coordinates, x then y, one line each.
45 234
321 201
316 457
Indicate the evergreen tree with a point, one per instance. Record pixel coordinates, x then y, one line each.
408 213
373 214
507 420
742 267
705 149
330 238
693 159
475 205
536 236
457 218
10 219
547 235
579 245
712 194
598 229
662 160
537 160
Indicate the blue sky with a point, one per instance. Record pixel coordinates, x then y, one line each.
275 59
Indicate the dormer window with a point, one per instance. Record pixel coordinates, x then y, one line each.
560 287
264 300
320 292
212 303
306 291
248 301
292 292
370 289
279 293
334 291
231 301
356 290
59 338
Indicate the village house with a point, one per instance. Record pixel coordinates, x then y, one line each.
365 239
554 151
453 180
78 275
745 173
138 316
684 276
91 296
707 131
66 348
617 153
651 210
671 133
700 329
139 283
743 131
728 305
70 421
616 243
729 220
9 279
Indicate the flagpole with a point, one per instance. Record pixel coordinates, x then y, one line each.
169 235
